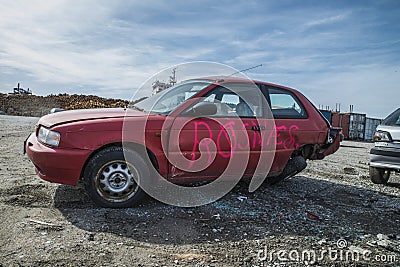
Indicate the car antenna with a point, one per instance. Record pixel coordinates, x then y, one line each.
245 70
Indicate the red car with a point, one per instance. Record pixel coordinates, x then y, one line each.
183 122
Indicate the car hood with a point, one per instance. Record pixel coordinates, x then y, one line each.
62 117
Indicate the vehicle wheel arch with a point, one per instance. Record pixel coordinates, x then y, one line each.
131 145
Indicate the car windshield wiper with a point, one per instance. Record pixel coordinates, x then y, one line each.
135 107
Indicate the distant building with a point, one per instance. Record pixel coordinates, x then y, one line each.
21 91
161 86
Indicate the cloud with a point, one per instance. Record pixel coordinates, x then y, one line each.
86 44
110 48
326 20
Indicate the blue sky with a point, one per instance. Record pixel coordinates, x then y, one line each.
344 52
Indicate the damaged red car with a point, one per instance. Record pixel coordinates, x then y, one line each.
90 145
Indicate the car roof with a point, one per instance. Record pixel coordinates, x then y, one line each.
230 79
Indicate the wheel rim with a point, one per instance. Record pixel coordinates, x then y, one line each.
115 181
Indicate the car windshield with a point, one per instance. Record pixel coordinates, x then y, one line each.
393 119
168 100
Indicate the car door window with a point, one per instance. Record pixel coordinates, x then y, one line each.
230 104
285 105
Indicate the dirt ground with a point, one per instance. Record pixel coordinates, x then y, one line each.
328 215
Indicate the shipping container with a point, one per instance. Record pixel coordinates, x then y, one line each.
357 126
352 124
327 115
341 120
370 127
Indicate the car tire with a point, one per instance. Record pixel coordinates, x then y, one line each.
274 179
379 175
293 167
110 182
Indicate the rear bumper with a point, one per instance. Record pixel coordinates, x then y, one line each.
385 158
332 148
58 165
327 149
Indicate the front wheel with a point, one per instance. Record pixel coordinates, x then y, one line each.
110 181
379 175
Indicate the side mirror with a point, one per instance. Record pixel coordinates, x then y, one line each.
202 109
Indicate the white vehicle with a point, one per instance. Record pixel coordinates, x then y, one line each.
385 155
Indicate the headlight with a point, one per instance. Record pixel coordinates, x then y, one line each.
48 137
382 136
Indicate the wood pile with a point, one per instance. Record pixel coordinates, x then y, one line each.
36 106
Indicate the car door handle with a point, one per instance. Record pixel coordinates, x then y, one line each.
258 128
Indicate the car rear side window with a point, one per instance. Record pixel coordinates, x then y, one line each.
285 105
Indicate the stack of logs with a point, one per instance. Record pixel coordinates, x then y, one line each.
36 106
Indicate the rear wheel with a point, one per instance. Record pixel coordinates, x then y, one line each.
293 167
274 180
379 175
110 181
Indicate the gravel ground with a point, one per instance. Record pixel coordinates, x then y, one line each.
328 215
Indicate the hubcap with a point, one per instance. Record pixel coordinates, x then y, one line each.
115 182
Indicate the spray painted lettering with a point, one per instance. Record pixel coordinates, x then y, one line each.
285 138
